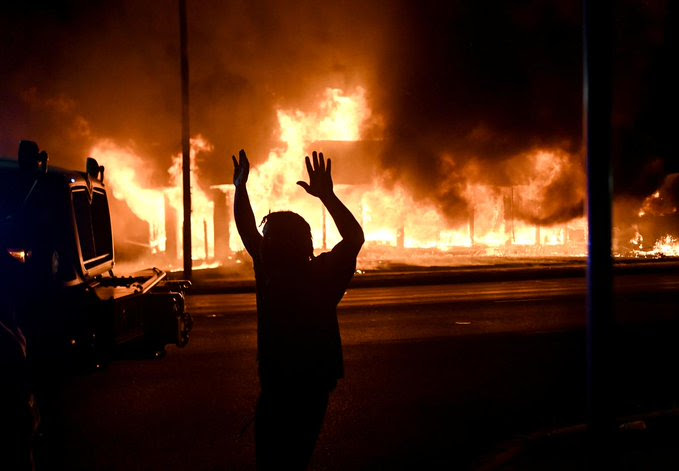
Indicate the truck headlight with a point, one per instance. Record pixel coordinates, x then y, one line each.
20 255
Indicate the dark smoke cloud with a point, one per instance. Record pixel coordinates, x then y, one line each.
645 95
473 83
484 82
117 65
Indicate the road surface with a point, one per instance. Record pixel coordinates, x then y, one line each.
436 377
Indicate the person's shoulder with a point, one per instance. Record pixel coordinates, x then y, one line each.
331 256
335 259
321 256
321 260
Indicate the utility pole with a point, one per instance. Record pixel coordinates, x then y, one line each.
186 144
597 130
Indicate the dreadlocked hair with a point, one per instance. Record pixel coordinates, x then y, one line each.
287 240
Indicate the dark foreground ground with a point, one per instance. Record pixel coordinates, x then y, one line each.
437 377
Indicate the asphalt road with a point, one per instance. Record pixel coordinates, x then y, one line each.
436 377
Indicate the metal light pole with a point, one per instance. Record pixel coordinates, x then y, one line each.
186 146
597 103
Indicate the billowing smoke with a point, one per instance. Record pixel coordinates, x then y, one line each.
482 83
495 82
75 71
464 88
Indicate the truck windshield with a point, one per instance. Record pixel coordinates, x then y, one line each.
94 226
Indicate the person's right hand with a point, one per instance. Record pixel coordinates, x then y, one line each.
241 169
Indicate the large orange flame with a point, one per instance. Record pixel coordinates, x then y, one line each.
126 174
389 214
272 185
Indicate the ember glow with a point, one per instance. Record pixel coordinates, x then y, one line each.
666 246
658 222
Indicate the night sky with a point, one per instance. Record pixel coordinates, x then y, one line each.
476 82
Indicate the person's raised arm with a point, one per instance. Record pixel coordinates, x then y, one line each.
320 186
242 210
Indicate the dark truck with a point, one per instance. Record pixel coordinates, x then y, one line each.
55 226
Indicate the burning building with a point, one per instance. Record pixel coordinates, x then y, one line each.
531 204
514 218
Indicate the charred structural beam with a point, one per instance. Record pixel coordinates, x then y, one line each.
222 218
597 103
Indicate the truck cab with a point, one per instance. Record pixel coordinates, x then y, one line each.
55 227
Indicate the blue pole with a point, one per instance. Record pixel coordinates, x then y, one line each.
597 104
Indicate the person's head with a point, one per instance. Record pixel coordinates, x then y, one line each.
287 242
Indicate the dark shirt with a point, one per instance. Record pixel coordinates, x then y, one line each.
298 337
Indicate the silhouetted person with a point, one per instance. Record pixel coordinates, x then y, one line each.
298 340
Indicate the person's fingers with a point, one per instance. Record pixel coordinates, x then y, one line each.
304 185
309 170
315 156
235 162
244 160
322 162
328 167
